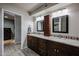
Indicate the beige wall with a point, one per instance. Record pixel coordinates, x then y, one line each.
73 12
25 21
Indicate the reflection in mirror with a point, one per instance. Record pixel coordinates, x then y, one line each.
39 26
56 24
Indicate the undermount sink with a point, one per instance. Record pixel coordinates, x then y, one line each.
58 38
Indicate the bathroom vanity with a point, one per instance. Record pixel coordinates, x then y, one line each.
52 46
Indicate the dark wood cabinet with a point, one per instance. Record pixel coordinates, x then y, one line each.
42 47
56 49
71 50
29 41
35 44
51 48
32 43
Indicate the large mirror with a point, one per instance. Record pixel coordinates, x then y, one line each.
40 26
60 24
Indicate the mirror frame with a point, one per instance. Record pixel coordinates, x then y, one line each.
37 26
67 25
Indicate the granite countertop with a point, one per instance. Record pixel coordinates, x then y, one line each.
57 39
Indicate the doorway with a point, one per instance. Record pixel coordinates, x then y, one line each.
9 29
12 32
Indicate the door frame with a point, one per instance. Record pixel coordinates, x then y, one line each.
2 16
3 10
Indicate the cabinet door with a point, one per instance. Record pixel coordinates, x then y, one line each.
50 48
71 50
29 41
42 47
74 51
34 44
59 49
55 49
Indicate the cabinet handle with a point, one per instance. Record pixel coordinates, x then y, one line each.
57 51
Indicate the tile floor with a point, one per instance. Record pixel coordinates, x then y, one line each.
14 50
29 52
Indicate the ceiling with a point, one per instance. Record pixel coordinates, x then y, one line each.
28 6
31 8
8 16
